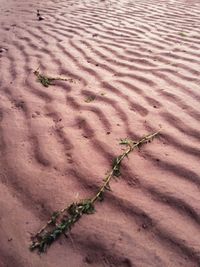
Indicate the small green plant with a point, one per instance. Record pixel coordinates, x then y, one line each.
46 80
61 222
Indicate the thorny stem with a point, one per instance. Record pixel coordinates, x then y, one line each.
44 238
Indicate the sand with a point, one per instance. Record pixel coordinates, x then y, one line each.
138 63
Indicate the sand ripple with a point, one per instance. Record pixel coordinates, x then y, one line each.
140 62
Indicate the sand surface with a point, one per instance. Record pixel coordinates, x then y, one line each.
139 61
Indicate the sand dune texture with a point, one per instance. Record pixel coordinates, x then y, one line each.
132 67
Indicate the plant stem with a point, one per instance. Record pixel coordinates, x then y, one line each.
72 214
131 146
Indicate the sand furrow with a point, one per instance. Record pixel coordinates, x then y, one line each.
132 67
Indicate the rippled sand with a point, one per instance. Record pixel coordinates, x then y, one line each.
139 63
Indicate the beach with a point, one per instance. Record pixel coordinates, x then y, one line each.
121 69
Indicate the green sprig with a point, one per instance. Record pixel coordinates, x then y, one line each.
61 222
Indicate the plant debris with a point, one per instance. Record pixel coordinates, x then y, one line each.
182 34
61 222
39 15
90 98
46 80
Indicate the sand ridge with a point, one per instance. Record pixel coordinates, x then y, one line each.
139 62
